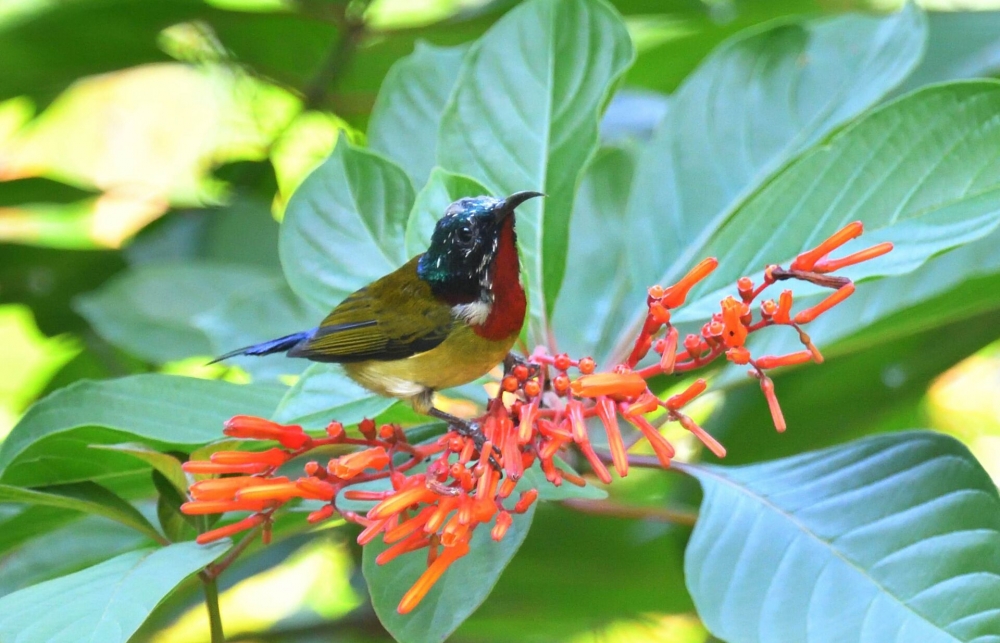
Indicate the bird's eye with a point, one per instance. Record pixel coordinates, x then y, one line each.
465 236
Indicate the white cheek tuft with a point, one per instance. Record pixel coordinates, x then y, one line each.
475 313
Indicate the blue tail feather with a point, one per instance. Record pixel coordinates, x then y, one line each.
279 345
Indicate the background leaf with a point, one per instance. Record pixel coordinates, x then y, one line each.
106 602
441 190
344 226
51 442
323 394
523 116
888 538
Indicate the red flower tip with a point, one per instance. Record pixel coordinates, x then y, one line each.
562 362
832 300
774 361
336 431
224 532
622 385
695 346
675 295
767 386
831 265
561 384
655 292
350 465
321 514
510 384
521 372
677 401
532 388
587 365
745 288
367 428
807 260
271 457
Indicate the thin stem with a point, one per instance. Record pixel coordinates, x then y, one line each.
612 508
212 571
212 603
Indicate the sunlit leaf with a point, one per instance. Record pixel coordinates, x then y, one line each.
166 464
523 116
888 538
344 226
405 119
106 602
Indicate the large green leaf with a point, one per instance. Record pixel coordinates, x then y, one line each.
323 394
595 297
454 597
344 226
523 116
888 538
960 44
920 172
148 311
407 113
759 100
87 497
39 190
105 603
51 443
441 190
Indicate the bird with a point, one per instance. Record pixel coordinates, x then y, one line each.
444 318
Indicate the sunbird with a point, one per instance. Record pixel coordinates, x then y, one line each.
442 319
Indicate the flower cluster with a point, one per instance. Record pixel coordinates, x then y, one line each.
433 496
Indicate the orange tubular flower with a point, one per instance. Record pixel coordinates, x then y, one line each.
619 457
271 457
350 465
808 259
734 333
213 468
838 296
738 355
226 488
255 428
831 265
203 507
504 522
400 501
700 433
412 543
661 447
767 386
669 358
675 295
430 576
774 361
677 401
281 492
224 532
784 310
613 384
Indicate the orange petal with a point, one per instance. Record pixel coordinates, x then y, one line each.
426 581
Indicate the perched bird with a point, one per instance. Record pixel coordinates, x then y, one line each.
444 318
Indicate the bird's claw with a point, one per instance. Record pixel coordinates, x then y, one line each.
473 431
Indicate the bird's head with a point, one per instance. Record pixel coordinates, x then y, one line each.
466 242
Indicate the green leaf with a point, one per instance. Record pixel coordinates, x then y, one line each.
441 190
323 394
148 311
51 444
166 464
594 300
960 44
87 497
344 226
246 318
523 116
107 602
407 113
31 521
39 190
888 538
733 123
176 525
456 594
919 172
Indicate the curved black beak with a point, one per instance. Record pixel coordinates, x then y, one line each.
507 206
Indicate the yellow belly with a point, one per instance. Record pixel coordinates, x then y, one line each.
459 359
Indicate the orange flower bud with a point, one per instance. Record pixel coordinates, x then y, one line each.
677 401
224 532
213 468
808 259
574 412
335 430
271 457
768 308
400 501
774 361
526 420
504 521
615 384
661 447
676 294
226 488
445 506
838 296
410 526
367 428
706 439
423 585
350 465
647 403
562 362
767 386
655 292
281 492
807 342
619 458
830 265
781 315
455 532
202 507
734 333
587 365
744 286
321 514
561 384
510 384
413 543
526 500
738 355
317 489
255 428
669 358
532 388
659 314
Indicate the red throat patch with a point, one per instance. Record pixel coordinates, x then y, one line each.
509 303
